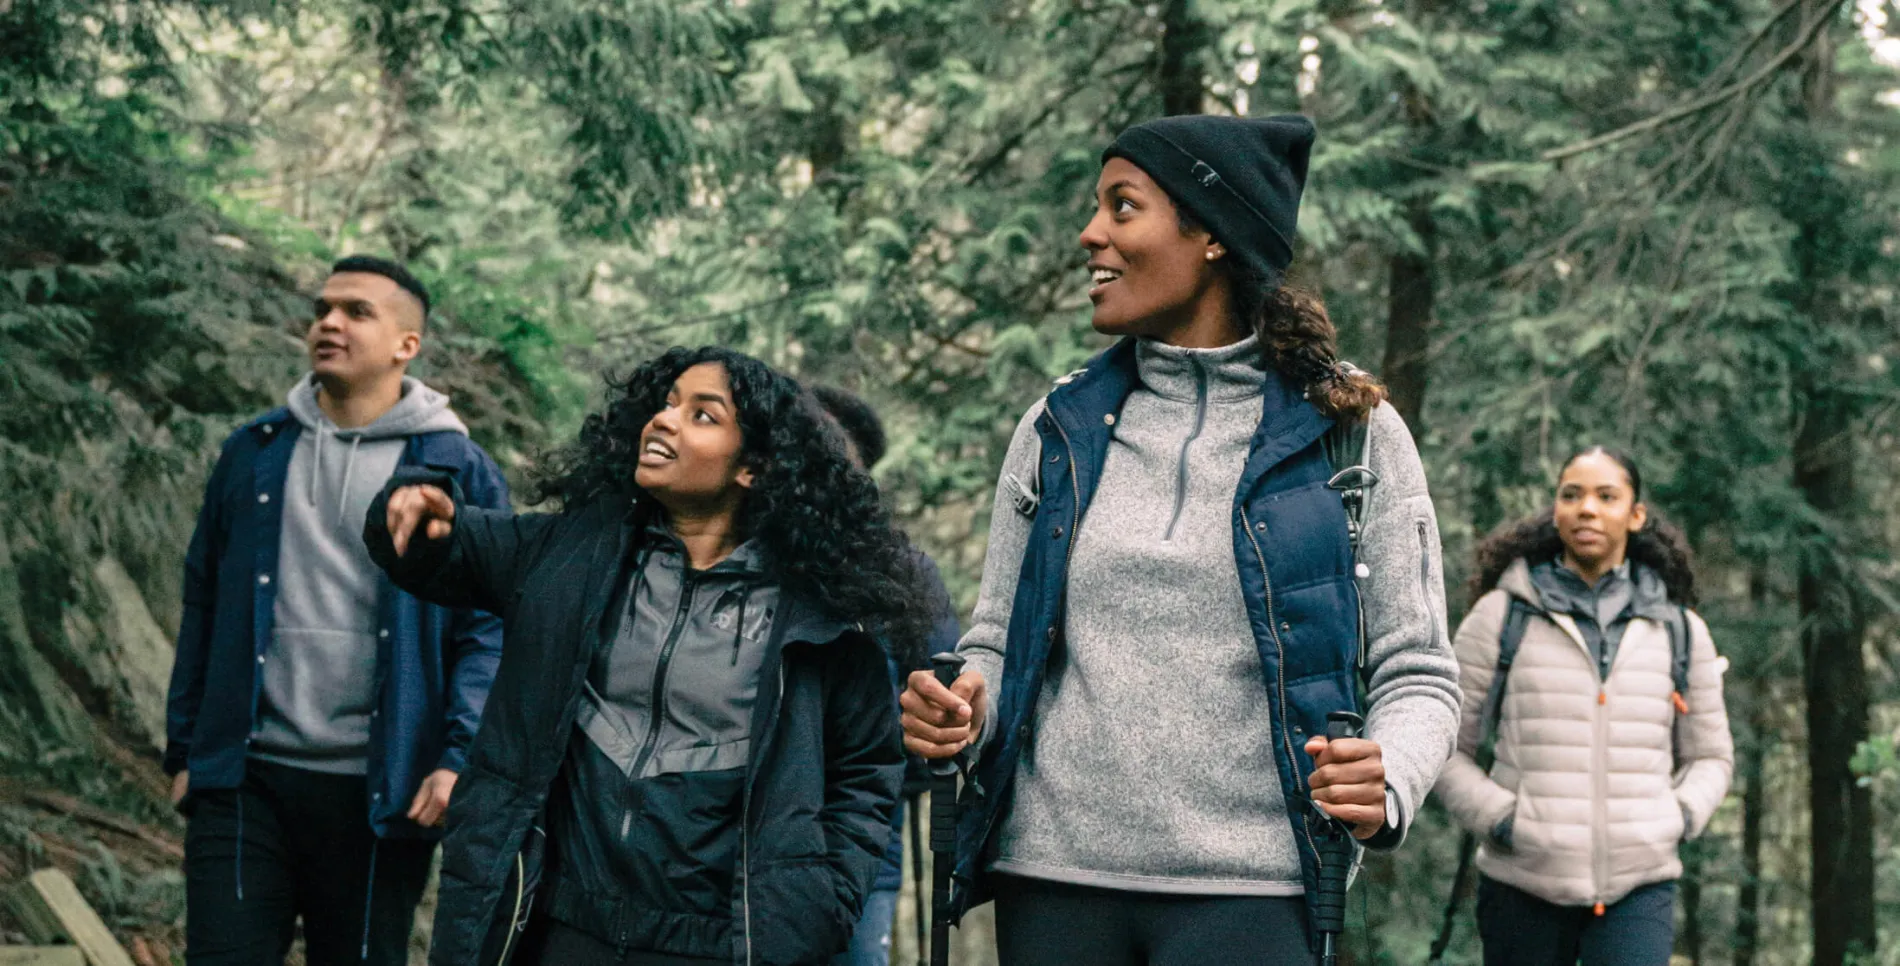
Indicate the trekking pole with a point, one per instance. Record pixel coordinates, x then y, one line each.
1335 857
1466 846
943 825
922 918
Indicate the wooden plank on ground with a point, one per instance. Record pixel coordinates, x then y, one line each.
41 956
48 902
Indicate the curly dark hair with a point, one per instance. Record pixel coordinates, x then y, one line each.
858 420
1297 337
818 517
1659 545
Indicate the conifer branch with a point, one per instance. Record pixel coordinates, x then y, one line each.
1761 76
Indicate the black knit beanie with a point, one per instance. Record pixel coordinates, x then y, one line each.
1239 177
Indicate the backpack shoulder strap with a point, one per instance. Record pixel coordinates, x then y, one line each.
1348 449
1679 647
1516 620
1348 446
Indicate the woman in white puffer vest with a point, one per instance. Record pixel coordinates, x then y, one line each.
1611 740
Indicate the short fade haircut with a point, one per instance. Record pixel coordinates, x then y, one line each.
371 265
858 420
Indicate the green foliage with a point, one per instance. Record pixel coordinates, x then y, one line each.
884 195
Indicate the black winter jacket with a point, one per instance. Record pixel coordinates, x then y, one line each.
826 757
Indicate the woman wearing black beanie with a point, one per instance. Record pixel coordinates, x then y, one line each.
1169 608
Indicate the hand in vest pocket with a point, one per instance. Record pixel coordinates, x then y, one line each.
1348 782
939 721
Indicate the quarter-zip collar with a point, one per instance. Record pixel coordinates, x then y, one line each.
1201 378
1086 404
1226 374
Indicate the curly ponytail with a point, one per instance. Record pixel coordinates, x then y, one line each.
1297 337
1300 342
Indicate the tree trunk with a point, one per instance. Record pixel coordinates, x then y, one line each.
1754 814
1833 612
1411 300
1751 768
1834 677
1689 944
1184 40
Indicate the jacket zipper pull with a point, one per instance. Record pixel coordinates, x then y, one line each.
1599 909
1682 706
1603 697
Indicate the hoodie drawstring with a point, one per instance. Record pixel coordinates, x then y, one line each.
349 470
369 895
316 466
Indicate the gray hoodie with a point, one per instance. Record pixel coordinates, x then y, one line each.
320 667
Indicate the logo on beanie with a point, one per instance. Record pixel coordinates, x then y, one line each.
1205 174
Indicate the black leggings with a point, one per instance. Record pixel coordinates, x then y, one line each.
1520 929
1051 924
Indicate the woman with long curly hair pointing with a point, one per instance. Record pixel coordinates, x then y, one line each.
690 754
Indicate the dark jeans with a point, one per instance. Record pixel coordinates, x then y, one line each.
291 843
1051 924
1520 929
871 940
552 943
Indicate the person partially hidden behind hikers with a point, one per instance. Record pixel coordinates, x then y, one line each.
866 442
1599 695
318 716
1169 611
691 754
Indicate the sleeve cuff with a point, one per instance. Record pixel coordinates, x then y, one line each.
453 759
1392 834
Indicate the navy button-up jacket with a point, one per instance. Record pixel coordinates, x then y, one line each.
433 665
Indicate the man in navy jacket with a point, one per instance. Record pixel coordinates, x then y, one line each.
318 717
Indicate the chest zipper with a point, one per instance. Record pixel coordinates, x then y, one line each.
1299 783
687 590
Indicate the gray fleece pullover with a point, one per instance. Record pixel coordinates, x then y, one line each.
1152 767
320 665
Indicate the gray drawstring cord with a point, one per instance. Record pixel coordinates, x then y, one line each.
349 470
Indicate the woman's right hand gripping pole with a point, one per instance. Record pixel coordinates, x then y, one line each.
939 721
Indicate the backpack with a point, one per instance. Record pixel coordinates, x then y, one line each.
1518 618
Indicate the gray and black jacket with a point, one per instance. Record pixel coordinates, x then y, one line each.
722 790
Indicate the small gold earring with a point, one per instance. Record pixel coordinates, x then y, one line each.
1213 255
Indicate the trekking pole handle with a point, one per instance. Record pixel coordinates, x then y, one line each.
1344 724
943 824
948 666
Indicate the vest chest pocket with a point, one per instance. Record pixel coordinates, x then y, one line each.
1318 625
